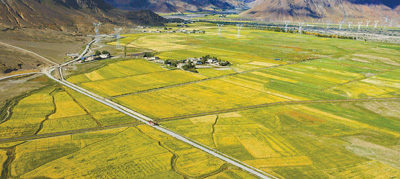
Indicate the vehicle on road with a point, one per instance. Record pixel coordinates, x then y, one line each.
153 123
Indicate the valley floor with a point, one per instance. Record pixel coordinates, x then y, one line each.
326 109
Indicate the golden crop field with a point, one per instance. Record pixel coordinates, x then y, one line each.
199 97
102 113
383 85
310 141
119 86
166 42
318 79
65 106
28 114
213 72
190 162
233 174
67 124
118 70
294 106
3 158
123 152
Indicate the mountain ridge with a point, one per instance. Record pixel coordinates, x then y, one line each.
167 6
69 15
324 10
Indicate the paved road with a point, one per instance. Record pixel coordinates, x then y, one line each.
76 59
145 120
80 56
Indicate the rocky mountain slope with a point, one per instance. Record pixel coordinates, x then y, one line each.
176 5
325 10
68 15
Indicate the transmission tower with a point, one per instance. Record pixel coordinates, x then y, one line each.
359 25
386 18
327 24
97 29
300 26
368 23
391 23
118 36
219 29
376 24
239 27
286 25
350 24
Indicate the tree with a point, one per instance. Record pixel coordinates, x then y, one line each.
174 63
148 54
105 52
97 53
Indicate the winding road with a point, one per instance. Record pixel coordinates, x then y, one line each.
144 119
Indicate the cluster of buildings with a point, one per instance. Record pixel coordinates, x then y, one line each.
174 31
93 57
181 63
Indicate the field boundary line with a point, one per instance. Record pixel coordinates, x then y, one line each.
206 79
275 104
70 132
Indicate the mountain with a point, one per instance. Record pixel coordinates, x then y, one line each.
69 15
325 10
167 6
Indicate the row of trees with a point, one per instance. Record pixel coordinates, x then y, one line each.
190 67
97 53
204 60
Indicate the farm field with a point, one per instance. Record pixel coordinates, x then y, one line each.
57 109
294 106
307 141
199 97
131 76
382 85
117 70
309 68
310 80
134 152
28 114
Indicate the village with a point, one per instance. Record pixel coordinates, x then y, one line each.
190 63
97 56
148 29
